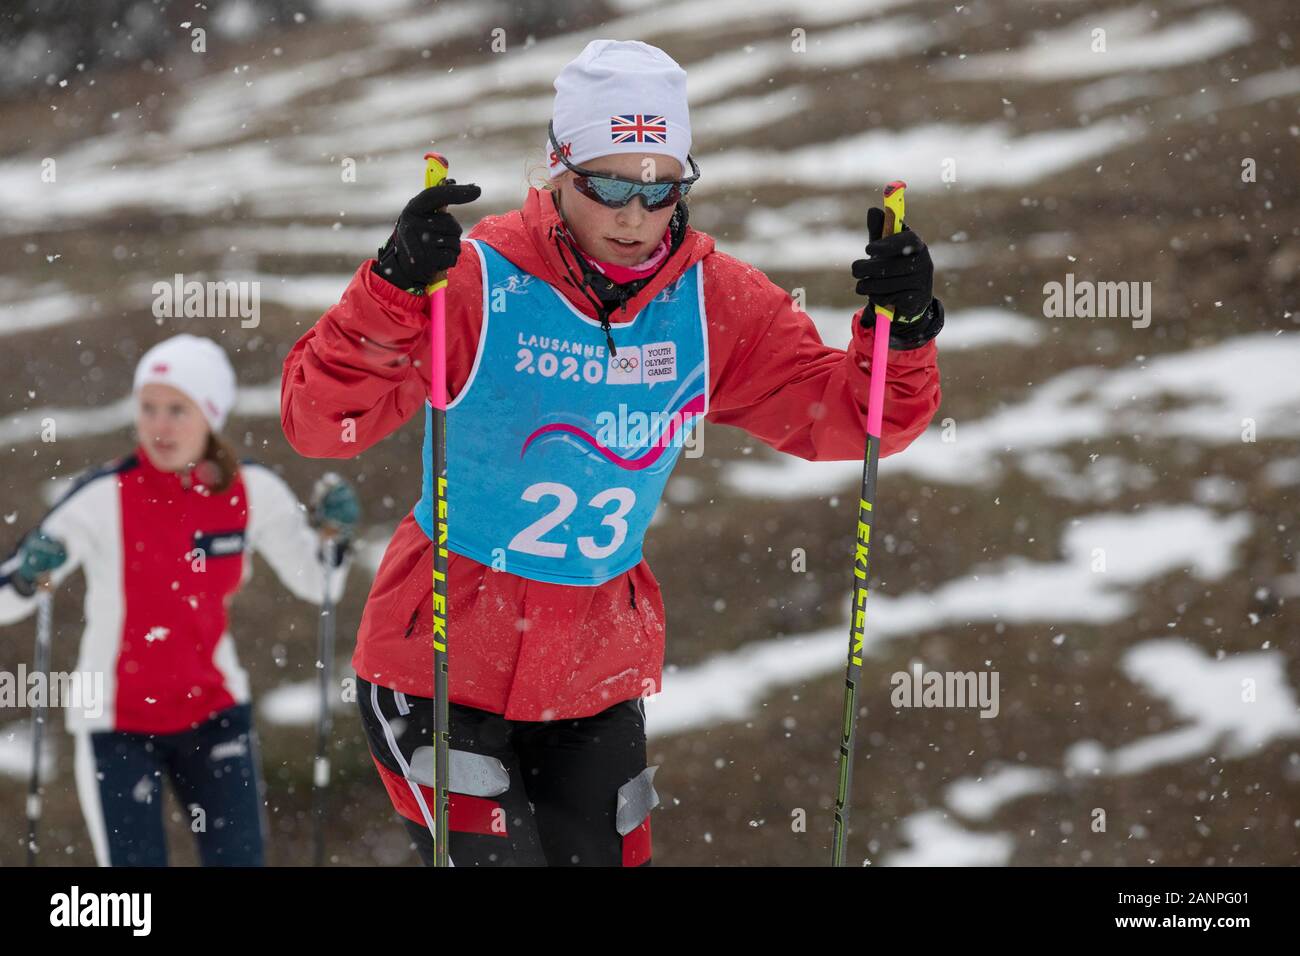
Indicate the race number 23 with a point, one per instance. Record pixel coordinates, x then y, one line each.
529 540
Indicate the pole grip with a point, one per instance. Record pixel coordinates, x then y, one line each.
436 168
893 197
435 172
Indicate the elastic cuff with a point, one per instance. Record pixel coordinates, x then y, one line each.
397 280
928 330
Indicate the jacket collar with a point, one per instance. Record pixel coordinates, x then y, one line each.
525 236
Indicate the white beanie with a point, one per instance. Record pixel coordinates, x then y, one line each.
620 96
197 367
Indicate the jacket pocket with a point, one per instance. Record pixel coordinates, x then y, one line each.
645 603
416 610
416 603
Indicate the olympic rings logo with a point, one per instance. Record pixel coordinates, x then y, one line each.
624 364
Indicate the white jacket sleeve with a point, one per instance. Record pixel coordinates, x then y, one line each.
279 530
72 522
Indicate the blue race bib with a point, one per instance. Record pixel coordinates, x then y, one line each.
557 451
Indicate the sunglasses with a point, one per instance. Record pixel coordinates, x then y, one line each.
616 191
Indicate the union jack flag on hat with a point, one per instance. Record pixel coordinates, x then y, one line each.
638 128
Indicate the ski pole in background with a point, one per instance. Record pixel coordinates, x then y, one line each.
325 715
435 171
44 616
862 551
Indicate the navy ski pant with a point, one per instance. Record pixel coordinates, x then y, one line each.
213 771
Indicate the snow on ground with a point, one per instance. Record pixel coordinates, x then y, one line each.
335 240
43 307
1227 706
298 703
992 325
71 422
971 328
287 179
312 292
16 753
1138 548
980 798
1134 41
227 139
743 114
991 155
832 244
1250 377
1116 89
937 841
700 16
844 46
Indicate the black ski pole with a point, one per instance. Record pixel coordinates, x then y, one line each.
435 171
862 549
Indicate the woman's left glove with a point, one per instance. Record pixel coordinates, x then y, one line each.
898 272
335 510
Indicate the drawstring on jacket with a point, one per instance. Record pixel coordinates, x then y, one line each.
562 239
619 294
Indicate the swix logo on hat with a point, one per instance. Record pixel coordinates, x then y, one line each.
638 128
159 367
565 148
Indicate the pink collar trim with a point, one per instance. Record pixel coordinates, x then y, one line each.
621 274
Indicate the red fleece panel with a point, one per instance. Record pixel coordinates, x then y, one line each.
636 845
468 814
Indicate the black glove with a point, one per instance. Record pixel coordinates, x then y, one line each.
899 273
426 238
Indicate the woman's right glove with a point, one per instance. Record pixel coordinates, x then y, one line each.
38 555
426 239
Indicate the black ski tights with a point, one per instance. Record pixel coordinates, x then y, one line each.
548 793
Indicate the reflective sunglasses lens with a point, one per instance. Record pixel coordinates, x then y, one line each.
616 193
611 192
658 195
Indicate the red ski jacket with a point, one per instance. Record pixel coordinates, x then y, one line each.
533 650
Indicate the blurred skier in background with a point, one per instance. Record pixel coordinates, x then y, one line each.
594 299
163 536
